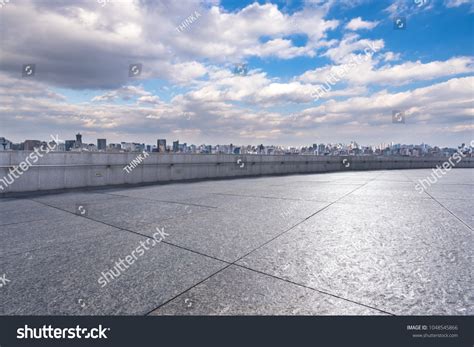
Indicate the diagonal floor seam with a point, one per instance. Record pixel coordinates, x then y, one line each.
156 200
139 234
310 216
314 289
235 261
447 209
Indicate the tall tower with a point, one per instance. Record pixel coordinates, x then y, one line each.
161 144
78 140
101 144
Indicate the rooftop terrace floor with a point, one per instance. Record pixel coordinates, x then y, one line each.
346 243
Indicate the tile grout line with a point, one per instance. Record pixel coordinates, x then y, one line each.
187 290
304 220
265 243
447 209
270 197
234 263
228 264
30 221
313 289
137 233
467 225
170 244
168 201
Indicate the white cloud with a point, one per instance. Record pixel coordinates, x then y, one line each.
124 93
352 43
358 24
456 3
367 73
391 56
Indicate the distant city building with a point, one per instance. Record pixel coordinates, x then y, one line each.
176 146
115 147
78 141
16 146
5 145
322 149
30 145
91 147
69 144
132 147
102 144
161 145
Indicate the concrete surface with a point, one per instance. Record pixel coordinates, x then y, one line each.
68 170
352 243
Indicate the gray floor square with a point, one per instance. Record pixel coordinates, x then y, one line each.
239 291
22 210
64 280
230 233
409 260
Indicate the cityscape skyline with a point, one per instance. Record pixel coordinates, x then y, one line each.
215 71
175 146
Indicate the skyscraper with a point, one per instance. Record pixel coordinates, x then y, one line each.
30 145
101 144
78 140
69 144
176 146
161 144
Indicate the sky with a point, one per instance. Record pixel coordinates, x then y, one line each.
288 73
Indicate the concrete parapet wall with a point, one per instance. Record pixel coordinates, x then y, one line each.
63 170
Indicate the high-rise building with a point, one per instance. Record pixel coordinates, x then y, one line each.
321 149
69 144
115 147
4 144
161 145
176 146
30 145
78 140
101 144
